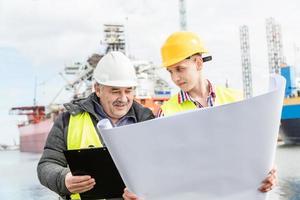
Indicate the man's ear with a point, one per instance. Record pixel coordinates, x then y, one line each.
199 62
97 89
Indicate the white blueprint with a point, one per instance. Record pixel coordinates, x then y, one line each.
218 153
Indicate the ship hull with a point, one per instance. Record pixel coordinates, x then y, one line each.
290 124
290 130
33 136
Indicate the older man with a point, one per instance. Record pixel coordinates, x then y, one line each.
74 129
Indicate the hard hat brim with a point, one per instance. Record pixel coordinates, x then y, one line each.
119 83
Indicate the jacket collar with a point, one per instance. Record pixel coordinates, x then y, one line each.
92 105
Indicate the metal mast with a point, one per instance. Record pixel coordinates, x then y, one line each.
274 41
246 61
182 15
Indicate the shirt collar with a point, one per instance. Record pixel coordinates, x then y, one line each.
184 96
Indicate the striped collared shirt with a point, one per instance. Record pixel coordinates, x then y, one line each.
184 96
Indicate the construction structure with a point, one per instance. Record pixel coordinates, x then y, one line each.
274 42
182 15
114 35
246 61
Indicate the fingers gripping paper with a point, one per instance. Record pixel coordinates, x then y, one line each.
218 153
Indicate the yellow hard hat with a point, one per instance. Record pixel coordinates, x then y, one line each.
179 46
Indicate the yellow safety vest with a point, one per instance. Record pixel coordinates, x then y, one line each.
223 95
82 134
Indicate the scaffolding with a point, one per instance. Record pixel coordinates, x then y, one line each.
274 42
246 61
182 15
114 35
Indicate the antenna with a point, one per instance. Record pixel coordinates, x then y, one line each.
126 36
296 55
35 88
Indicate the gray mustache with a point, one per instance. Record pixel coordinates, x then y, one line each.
120 103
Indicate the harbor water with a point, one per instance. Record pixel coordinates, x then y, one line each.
19 180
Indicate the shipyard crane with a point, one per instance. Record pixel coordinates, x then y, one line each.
275 50
182 15
246 61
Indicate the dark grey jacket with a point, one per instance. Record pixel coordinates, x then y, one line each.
52 167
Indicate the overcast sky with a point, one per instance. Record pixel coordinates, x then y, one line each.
38 37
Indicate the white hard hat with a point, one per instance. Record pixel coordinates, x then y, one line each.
115 69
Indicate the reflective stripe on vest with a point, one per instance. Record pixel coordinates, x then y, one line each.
82 134
223 96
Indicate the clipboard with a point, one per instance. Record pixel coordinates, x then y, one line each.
97 163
